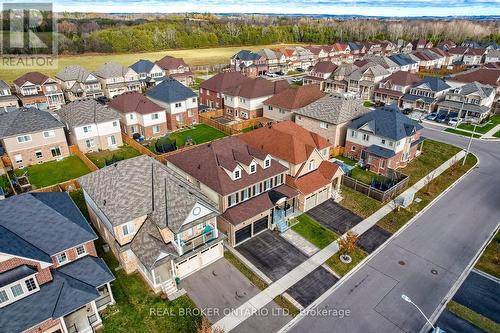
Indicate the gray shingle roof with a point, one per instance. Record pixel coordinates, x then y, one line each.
15 274
142 186
433 83
26 120
142 66
387 122
86 111
334 109
111 69
48 222
475 87
73 73
90 270
170 91
381 151
4 85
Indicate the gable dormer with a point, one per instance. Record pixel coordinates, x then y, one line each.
237 173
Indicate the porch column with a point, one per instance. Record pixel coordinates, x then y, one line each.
110 292
63 325
94 307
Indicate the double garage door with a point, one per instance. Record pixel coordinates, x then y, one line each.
316 199
246 232
199 260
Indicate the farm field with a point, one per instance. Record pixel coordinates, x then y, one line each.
193 57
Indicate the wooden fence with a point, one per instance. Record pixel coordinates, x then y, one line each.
339 150
221 127
376 193
231 129
76 151
67 186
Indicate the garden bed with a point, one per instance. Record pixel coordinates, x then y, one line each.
342 269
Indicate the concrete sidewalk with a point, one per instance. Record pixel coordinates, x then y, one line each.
492 131
257 302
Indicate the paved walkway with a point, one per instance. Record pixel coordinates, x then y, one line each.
260 300
299 242
492 131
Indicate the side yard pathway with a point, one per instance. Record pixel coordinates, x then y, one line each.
260 300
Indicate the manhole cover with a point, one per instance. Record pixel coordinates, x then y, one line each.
214 273
401 262
434 272
241 294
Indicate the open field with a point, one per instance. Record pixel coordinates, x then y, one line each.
193 57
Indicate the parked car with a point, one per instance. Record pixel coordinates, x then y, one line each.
455 121
271 74
279 73
297 80
407 111
432 116
441 118
299 69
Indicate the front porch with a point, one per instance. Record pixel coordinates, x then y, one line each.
84 320
284 212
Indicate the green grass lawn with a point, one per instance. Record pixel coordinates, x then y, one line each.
359 203
368 104
196 84
455 131
365 176
490 259
200 134
492 122
54 172
473 317
342 269
393 221
314 232
497 134
259 283
346 160
247 129
134 299
99 158
4 184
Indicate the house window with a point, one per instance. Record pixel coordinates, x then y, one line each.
269 107
61 258
3 296
194 100
131 116
18 158
87 129
323 125
232 200
366 137
155 116
156 129
112 140
80 250
115 123
267 184
23 138
49 134
253 168
312 165
353 148
56 151
353 134
391 143
267 162
17 290
244 194
30 284
90 143
178 105
127 229
383 141
382 164
237 174
256 189
190 113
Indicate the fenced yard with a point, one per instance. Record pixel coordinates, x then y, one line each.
106 157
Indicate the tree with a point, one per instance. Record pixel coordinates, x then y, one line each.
348 243
206 327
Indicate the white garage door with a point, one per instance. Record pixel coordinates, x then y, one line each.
322 196
188 266
211 254
310 202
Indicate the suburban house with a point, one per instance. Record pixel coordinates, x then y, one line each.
362 81
474 57
179 102
77 83
116 79
211 92
384 139
176 68
291 57
428 59
35 89
320 53
305 154
51 279
139 115
320 73
424 94
488 76
248 63
276 61
338 81
492 56
7 100
384 61
405 62
421 44
30 136
247 184
90 125
339 49
394 86
305 57
154 221
150 74
457 54
472 101
246 100
283 105
330 115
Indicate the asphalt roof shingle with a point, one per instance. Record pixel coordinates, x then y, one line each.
86 111
134 102
170 91
26 120
294 98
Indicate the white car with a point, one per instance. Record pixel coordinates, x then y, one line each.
271 74
455 121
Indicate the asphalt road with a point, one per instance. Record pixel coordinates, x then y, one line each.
424 262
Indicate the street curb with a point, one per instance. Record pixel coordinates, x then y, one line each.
320 299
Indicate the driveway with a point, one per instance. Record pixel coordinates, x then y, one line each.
334 216
370 240
451 323
481 295
271 254
312 286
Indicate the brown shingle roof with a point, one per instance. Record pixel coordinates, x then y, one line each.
314 180
206 163
169 62
33 77
224 81
134 102
295 98
482 75
402 78
286 140
325 67
258 87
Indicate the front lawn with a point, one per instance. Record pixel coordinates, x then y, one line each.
342 269
368 104
124 152
359 203
137 308
473 317
459 132
492 122
314 232
54 172
490 259
497 134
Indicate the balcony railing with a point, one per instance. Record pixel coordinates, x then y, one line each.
103 301
197 241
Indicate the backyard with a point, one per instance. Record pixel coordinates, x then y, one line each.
54 172
99 158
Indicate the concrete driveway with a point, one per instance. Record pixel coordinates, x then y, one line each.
451 323
312 286
373 238
334 216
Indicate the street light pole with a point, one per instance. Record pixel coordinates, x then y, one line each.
407 299
469 144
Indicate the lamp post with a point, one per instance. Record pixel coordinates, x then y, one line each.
469 144
435 328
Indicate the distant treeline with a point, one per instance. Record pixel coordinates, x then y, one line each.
197 31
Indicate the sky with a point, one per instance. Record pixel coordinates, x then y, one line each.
341 7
